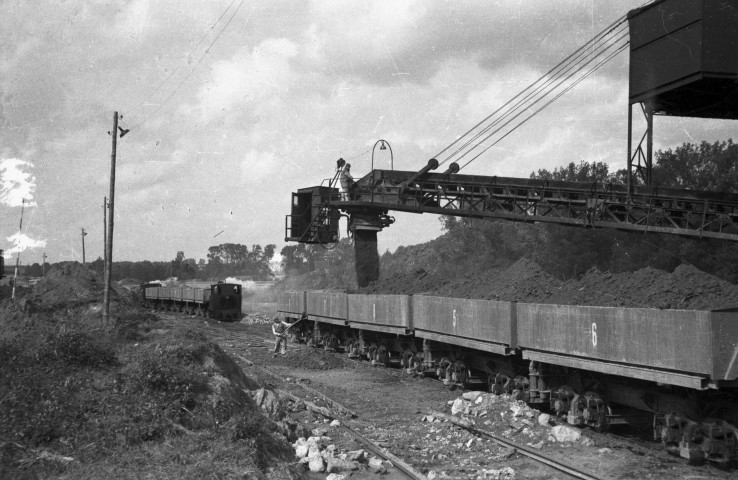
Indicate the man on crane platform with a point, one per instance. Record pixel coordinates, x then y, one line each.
347 182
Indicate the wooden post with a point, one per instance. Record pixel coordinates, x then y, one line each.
17 258
84 234
105 232
43 265
109 240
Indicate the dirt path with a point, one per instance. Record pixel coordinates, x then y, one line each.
393 411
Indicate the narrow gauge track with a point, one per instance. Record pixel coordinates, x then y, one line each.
230 336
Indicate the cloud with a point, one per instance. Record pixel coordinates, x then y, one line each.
16 185
22 242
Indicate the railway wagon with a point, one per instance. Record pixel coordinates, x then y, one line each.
328 307
380 313
221 301
292 305
484 325
686 348
575 360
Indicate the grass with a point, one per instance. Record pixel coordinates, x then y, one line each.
130 401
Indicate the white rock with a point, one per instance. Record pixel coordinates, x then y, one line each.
604 450
469 443
507 473
376 466
586 441
338 465
565 434
544 419
356 455
472 396
432 475
460 406
335 423
301 451
319 431
313 451
338 476
316 464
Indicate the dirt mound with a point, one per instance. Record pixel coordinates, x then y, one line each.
417 281
525 281
70 284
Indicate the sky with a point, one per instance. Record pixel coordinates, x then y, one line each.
234 104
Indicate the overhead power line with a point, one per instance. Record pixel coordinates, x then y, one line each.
196 65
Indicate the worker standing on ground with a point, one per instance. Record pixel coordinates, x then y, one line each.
279 329
347 182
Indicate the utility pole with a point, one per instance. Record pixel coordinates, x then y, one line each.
17 259
109 239
43 265
105 232
84 234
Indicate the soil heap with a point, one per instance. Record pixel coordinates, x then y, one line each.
686 288
71 284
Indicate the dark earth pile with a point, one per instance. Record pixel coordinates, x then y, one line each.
524 281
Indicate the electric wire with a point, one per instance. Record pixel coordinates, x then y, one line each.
173 72
576 53
521 104
199 61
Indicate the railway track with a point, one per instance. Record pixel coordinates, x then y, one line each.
254 352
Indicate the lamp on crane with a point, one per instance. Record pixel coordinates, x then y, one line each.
384 145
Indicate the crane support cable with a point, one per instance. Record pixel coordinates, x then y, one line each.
619 49
522 105
567 60
592 70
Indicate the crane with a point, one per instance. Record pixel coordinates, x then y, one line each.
663 33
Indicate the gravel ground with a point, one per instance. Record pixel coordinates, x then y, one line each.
395 411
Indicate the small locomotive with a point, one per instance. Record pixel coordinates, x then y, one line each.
221 301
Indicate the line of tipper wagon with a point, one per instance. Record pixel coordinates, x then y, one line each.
689 348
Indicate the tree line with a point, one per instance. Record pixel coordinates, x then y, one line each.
224 260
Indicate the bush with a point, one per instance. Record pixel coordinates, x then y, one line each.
132 326
77 349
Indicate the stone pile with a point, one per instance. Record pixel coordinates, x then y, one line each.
320 455
520 419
